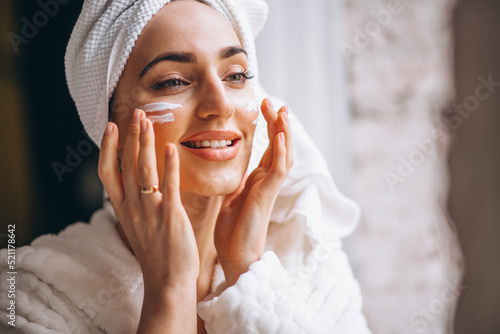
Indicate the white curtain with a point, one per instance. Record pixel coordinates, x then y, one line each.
301 63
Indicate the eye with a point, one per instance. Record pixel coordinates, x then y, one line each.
240 77
169 84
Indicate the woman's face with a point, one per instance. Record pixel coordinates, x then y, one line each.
189 55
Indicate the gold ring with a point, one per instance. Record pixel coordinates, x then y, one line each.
148 190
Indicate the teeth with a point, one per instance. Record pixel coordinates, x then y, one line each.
212 143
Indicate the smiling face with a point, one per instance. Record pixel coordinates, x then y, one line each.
190 55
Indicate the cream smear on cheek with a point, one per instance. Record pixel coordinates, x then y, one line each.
253 105
159 107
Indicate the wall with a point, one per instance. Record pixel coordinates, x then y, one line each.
405 252
475 164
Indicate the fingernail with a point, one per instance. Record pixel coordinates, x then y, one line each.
144 125
282 137
285 117
109 129
169 151
270 104
136 116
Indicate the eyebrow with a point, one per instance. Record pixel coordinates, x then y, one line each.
231 51
188 57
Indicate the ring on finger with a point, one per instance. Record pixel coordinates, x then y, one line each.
149 189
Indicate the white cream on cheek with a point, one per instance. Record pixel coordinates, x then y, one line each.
253 105
159 107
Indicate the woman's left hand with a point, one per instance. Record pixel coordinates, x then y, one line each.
241 230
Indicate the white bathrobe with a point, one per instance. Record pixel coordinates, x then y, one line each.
85 280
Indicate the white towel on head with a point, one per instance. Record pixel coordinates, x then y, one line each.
105 34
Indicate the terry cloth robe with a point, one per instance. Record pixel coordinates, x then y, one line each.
85 280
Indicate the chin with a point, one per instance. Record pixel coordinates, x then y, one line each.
212 184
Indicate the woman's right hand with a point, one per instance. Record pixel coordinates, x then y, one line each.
156 225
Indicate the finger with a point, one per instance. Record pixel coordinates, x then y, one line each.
171 179
278 171
270 116
130 155
147 174
282 119
284 126
108 170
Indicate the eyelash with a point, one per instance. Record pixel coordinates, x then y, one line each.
245 74
176 82
169 84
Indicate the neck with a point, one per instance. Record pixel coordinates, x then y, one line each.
202 212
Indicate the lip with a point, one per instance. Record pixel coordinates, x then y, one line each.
215 154
213 134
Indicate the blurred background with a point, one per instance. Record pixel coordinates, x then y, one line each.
402 97
45 184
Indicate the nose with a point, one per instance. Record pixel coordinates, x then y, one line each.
214 100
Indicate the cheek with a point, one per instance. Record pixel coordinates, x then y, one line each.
247 107
247 112
253 109
126 98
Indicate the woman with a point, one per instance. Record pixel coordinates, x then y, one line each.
188 245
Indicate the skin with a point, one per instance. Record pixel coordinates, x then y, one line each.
205 211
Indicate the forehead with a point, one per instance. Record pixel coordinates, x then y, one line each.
186 25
